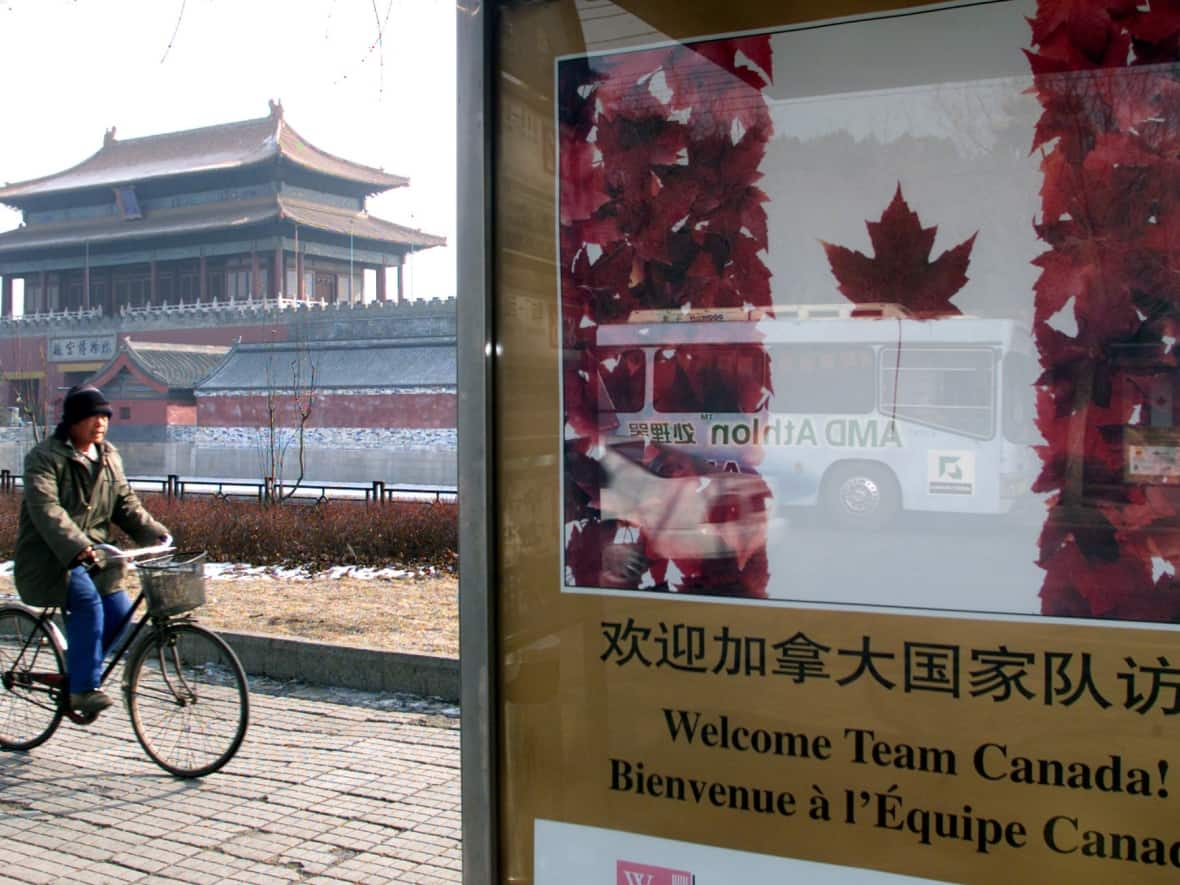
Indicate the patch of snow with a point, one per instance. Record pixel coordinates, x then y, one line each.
240 571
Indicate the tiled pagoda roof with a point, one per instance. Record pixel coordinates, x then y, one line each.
339 365
168 365
187 220
223 147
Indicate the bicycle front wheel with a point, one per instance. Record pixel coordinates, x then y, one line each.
32 678
187 695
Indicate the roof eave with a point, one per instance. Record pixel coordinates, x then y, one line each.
134 180
13 189
378 180
377 183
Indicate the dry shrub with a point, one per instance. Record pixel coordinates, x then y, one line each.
311 535
9 508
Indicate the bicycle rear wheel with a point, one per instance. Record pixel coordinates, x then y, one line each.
187 695
32 679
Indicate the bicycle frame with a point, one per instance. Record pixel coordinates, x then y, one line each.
55 683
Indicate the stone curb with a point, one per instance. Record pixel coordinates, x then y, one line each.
364 669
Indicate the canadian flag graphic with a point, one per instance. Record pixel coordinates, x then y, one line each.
629 873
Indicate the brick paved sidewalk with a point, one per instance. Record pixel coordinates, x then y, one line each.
330 787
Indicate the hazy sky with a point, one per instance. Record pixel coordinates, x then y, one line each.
370 80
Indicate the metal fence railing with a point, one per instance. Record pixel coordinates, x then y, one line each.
263 489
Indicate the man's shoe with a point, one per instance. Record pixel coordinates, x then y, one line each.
90 702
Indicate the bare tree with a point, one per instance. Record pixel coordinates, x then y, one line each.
29 395
32 407
289 401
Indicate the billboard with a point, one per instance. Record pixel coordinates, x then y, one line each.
836 530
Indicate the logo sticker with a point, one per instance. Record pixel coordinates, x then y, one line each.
951 473
629 873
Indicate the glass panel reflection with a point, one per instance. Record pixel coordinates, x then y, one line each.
863 304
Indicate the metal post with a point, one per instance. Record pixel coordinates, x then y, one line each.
480 703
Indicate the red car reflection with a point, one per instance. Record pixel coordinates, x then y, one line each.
681 516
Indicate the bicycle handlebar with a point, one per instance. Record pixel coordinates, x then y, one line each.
114 552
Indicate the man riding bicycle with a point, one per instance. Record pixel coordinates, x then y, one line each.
74 490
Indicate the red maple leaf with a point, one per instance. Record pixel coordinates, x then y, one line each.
901 271
1156 33
1086 26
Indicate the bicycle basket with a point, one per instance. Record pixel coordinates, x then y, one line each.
174 583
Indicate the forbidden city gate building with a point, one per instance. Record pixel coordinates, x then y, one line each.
163 229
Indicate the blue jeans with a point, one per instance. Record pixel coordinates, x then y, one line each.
92 623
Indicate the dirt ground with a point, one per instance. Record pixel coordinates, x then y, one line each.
415 614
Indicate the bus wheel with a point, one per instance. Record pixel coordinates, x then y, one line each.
861 495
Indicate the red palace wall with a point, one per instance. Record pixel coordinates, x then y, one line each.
178 414
150 412
390 410
142 411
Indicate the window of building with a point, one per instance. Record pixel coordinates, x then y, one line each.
33 296
215 284
99 294
237 284
189 286
132 291
325 287
73 294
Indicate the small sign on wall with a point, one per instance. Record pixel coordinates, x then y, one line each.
81 347
1152 455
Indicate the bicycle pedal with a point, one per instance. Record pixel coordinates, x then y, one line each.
81 718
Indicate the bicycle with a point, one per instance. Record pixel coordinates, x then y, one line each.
183 686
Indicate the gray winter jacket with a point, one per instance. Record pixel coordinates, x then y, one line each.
65 510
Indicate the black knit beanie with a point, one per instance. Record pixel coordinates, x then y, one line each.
82 402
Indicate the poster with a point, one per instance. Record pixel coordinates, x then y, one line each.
872 305
863 550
